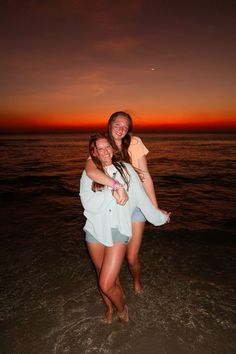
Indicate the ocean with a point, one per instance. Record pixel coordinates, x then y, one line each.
47 279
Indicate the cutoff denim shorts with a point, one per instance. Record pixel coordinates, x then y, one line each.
137 215
116 237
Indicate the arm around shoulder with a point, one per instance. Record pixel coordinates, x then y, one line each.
96 175
100 177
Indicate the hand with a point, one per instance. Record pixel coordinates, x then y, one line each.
120 196
167 214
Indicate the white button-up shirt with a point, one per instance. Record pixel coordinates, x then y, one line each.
103 213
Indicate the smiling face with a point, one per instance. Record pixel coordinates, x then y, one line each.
103 151
119 128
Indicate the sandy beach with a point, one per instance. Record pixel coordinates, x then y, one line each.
188 304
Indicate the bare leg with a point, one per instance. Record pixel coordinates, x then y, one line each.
96 251
113 257
132 254
119 284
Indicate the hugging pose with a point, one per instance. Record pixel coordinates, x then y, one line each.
117 194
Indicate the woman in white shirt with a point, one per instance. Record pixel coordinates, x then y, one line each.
108 226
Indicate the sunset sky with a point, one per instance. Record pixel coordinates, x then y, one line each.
66 64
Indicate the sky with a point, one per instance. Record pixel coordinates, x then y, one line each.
69 64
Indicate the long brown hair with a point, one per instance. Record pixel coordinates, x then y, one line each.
118 164
120 155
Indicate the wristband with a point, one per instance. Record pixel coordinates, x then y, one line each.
115 184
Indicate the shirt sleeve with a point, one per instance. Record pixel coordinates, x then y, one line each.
139 198
136 150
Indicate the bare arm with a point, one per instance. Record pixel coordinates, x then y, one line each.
147 180
98 176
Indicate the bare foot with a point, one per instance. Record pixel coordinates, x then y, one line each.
107 318
124 315
138 289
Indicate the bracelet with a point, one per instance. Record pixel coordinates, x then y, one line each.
115 184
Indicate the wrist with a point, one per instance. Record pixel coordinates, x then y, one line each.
115 184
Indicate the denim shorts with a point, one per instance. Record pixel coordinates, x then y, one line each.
137 215
117 237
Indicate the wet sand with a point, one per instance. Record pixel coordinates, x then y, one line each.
50 303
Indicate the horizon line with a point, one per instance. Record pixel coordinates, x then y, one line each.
164 128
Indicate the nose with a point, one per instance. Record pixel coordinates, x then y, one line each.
121 128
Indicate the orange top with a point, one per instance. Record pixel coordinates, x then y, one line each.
136 150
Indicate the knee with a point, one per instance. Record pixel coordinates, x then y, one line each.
105 286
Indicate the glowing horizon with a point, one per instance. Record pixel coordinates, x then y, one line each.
45 123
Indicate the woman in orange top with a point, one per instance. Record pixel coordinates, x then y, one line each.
130 149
